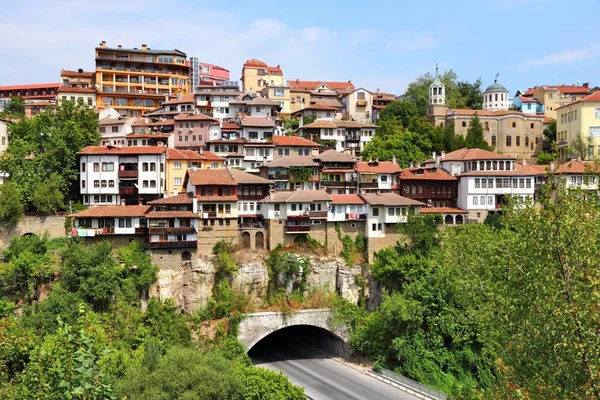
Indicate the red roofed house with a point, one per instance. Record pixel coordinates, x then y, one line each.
555 96
31 92
375 176
78 86
193 130
116 175
320 112
322 85
257 75
117 223
294 146
433 186
179 161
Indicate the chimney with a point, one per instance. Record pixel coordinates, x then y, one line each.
144 47
80 70
452 169
301 122
579 158
394 160
179 95
377 90
418 164
587 84
552 166
524 162
123 202
201 151
311 137
140 202
433 154
195 204
437 161
119 46
103 44
175 192
410 165
443 155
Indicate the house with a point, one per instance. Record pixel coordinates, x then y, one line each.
579 174
172 107
257 75
114 131
348 136
281 95
294 146
528 105
77 86
293 173
215 191
113 175
291 213
152 133
380 101
179 161
215 100
433 186
322 85
358 105
378 176
249 106
554 96
319 112
117 223
579 122
191 130
347 215
338 174
173 224
232 150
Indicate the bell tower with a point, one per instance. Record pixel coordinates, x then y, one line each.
437 101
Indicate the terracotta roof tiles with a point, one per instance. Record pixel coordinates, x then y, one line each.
112 211
210 177
346 199
382 167
130 150
389 199
426 173
293 141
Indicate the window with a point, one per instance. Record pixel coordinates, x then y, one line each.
102 129
153 167
508 141
597 113
521 183
152 183
464 124
145 167
518 141
214 165
482 200
490 183
384 178
115 129
108 167
96 183
486 126
515 183
293 206
532 125
177 165
477 183
103 183
375 211
490 200
83 183
96 167
594 131
484 183
475 200
526 141
514 124
499 183
391 211
177 181
528 183
145 184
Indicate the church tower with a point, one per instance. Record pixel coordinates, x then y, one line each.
495 97
437 101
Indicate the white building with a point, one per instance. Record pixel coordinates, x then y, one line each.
111 175
358 105
347 207
349 136
320 112
495 97
386 210
110 220
300 209
579 174
378 175
114 131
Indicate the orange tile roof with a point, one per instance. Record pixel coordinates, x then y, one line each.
210 156
280 140
547 120
577 167
320 125
569 89
426 173
442 210
465 154
382 167
30 86
188 98
592 98
230 126
389 199
313 84
210 177
346 199
124 150
193 117
483 113
176 154
253 62
112 211
77 74
529 100
184 198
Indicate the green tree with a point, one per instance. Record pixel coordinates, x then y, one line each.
138 267
11 207
475 138
390 141
47 144
451 140
581 147
263 384
550 131
48 196
544 158
399 111
470 95
15 107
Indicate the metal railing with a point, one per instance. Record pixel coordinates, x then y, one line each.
412 385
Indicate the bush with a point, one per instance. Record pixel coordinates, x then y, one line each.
11 206
263 384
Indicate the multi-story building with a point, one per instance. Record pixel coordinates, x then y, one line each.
114 131
215 191
338 173
380 101
134 81
294 146
433 186
77 86
192 130
118 223
152 133
116 175
293 173
319 112
348 214
30 92
349 136
254 107
579 121
378 176
232 150
300 98
172 107
202 73
552 97
257 75
179 161
280 95
358 105
578 174
173 224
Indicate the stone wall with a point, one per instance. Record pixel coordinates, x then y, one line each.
375 244
334 244
53 224
214 234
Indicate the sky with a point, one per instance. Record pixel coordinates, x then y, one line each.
377 44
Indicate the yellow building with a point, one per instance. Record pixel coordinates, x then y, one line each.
281 95
555 96
134 81
179 161
257 75
580 119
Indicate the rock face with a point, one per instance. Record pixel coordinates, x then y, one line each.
190 283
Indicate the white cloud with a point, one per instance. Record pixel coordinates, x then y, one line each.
565 57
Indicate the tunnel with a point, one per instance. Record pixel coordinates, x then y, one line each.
297 342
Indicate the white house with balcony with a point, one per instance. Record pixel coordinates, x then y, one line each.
378 176
299 211
578 174
109 220
349 136
114 130
385 210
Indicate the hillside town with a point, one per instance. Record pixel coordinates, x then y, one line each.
188 157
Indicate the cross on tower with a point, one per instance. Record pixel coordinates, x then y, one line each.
436 69
497 75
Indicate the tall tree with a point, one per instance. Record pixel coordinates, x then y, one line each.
475 138
15 107
400 111
11 206
550 131
470 95
580 147
391 141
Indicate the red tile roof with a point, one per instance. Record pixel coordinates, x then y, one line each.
188 98
442 210
426 173
382 167
77 74
210 177
483 113
465 154
124 150
260 122
569 89
346 199
253 62
184 198
275 70
313 84
591 98
112 211
577 167
389 199
280 140
30 86
175 154
193 117
529 100
230 127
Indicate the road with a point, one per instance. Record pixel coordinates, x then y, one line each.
327 379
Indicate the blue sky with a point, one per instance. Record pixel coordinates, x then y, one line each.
376 44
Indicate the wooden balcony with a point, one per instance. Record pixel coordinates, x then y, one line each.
141 231
339 184
175 244
128 190
369 185
318 214
128 173
279 177
172 230
297 228
361 102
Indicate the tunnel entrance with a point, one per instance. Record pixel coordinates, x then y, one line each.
297 342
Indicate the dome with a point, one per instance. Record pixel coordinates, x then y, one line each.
253 62
495 87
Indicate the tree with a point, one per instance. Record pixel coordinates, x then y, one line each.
431 137
11 207
550 131
475 138
580 147
451 140
47 144
15 107
399 111
48 196
390 142
261 383
544 158
470 95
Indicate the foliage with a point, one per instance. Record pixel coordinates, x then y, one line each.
452 141
544 158
401 112
11 206
138 266
283 267
48 144
580 147
390 141
494 221
48 196
475 138
166 323
14 108
347 313
305 241
550 131
352 250
300 174
263 384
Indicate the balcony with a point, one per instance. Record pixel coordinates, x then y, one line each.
297 228
279 177
175 244
356 216
172 230
318 214
141 231
369 185
361 102
339 184
128 190
353 138
128 173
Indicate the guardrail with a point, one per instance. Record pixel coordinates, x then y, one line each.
408 385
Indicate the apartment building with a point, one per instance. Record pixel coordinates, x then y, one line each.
294 145
173 224
215 99
576 121
257 75
358 105
77 86
29 92
249 106
178 162
114 131
552 97
192 130
380 101
134 81
116 175
349 136
202 73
